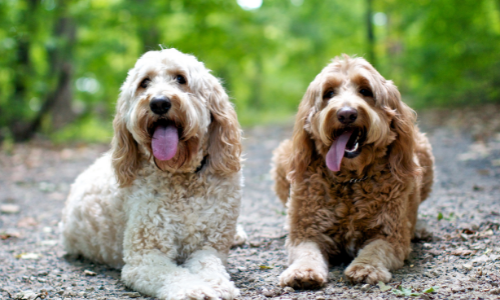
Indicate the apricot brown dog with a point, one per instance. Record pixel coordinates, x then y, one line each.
352 176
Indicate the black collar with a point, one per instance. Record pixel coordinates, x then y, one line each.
203 163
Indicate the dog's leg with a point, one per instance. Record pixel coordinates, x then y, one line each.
280 169
208 263
374 262
308 266
154 273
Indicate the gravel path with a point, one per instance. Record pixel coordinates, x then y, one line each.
461 260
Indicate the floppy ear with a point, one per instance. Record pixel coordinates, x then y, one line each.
224 149
124 149
302 145
402 150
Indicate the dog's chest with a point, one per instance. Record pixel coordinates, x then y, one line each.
357 211
181 215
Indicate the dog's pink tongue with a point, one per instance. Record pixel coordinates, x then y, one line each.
165 141
336 152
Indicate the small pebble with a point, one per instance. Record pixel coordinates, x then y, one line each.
330 291
89 273
467 267
365 287
132 294
269 292
255 244
495 291
457 288
288 290
26 295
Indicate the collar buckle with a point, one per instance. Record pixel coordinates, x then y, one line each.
356 180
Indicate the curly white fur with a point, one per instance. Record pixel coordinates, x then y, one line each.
168 225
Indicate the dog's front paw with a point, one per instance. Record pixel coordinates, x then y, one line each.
225 290
303 277
361 272
189 291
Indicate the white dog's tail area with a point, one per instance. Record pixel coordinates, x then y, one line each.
240 237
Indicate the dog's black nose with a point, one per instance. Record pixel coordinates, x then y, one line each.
347 115
160 105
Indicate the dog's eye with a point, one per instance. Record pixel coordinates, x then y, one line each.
144 83
180 79
328 95
366 92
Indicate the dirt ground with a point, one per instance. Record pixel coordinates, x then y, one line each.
460 261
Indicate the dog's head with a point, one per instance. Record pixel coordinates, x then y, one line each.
174 113
349 117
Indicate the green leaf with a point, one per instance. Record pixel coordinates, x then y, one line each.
383 287
404 292
440 216
452 217
431 290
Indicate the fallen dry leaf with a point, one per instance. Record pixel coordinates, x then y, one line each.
488 232
468 231
9 209
28 255
263 267
6 235
27 222
462 252
49 242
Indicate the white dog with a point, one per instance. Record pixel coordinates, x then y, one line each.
163 203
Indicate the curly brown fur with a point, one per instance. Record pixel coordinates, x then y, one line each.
365 204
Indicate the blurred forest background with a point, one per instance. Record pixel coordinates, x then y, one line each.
62 61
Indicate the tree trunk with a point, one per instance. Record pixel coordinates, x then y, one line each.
58 100
370 34
61 106
23 69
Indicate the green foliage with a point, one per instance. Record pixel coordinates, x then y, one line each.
91 130
401 291
383 287
448 51
438 52
452 217
404 292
